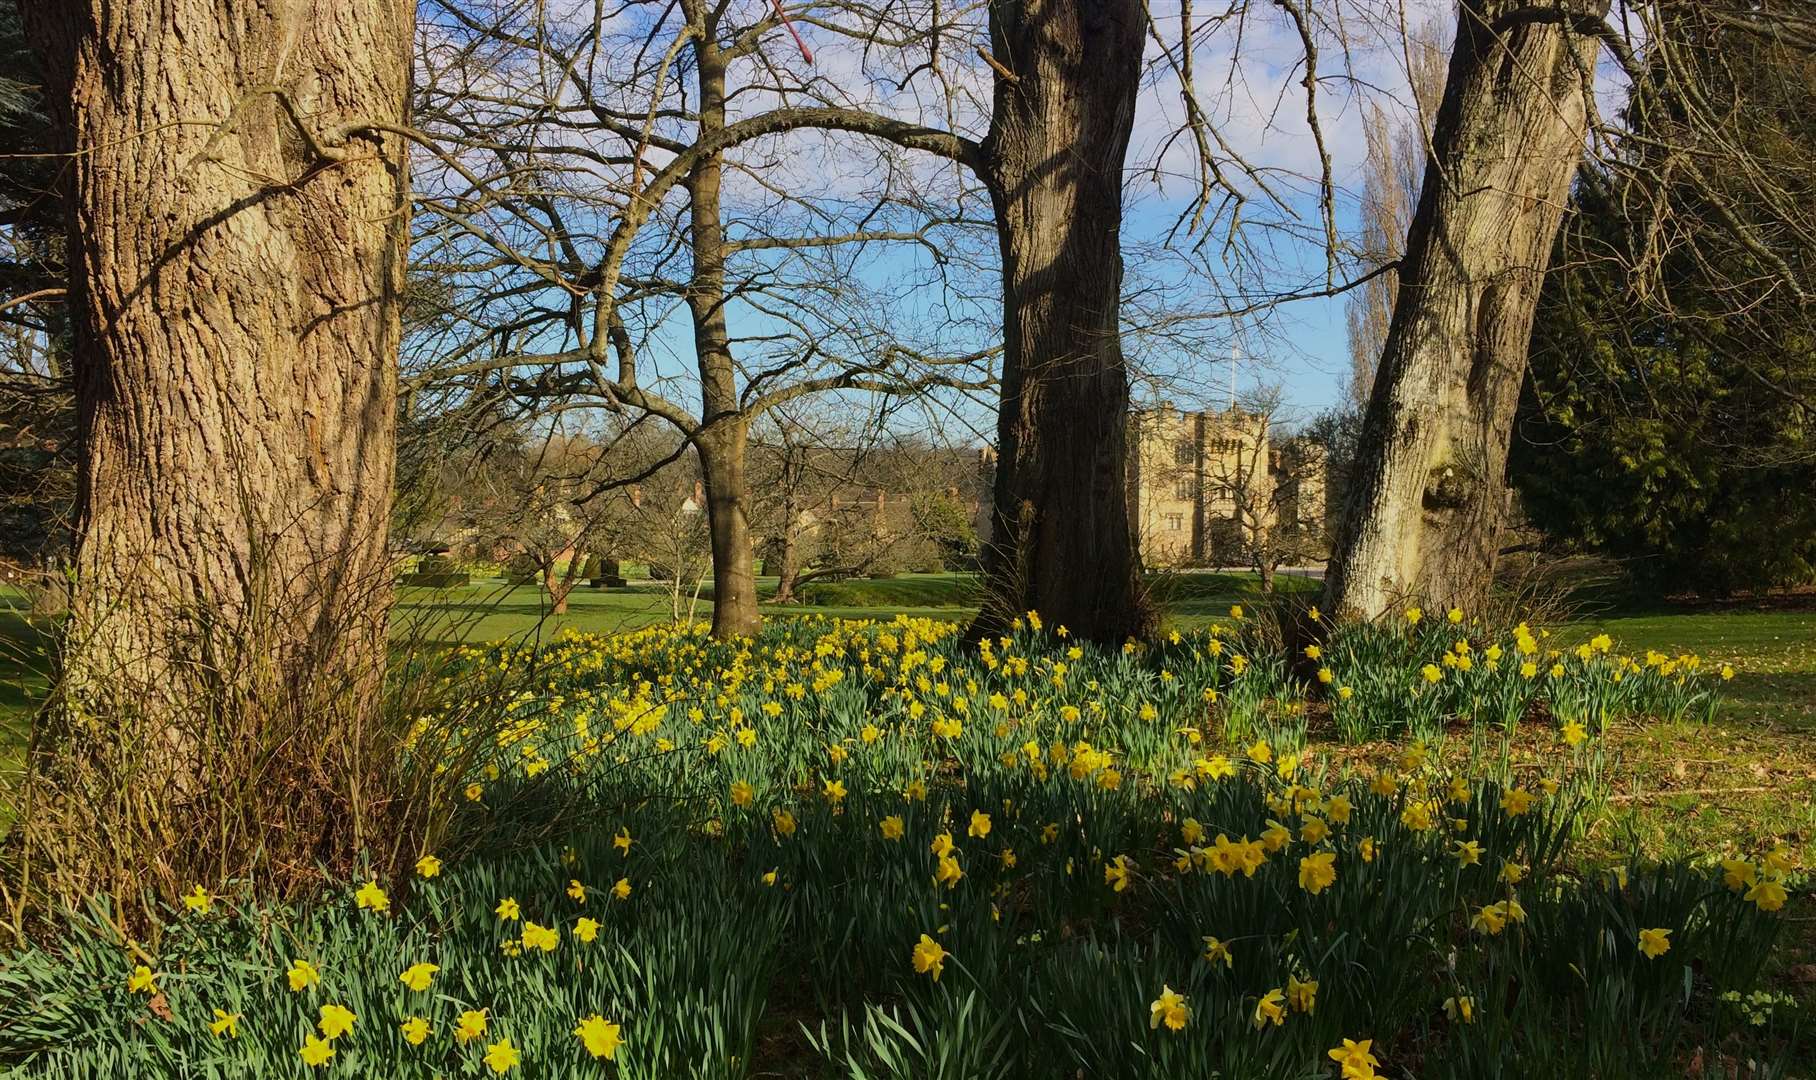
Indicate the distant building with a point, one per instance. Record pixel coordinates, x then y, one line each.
1201 483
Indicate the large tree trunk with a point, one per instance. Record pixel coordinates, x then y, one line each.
237 298
1060 539
724 436
237 246
1427 498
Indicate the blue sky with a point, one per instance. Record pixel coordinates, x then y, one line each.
1247 80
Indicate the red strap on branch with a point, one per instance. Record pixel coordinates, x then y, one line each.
806 53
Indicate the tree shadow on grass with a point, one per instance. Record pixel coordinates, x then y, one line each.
1780 702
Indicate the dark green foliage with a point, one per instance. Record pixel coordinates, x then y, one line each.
1668 418
37 421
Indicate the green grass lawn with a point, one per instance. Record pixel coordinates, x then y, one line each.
23 683
488 609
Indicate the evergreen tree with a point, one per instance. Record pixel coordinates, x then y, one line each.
37 418
1668 417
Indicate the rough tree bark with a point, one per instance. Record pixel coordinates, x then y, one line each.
237 249
1427 496
1053 159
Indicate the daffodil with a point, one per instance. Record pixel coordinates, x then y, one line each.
599 1036
371 897
501 1056
929 957
302 974
469 1025
1489 919
1116 873
336 1020
1169 1008
316 1051
417 976
415 1030
1655 942
428 866
1767 894
546 938
1317 871
225 1023
1271 1007
1302 995
1355 1060
1737 874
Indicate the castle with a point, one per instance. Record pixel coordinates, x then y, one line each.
1209 488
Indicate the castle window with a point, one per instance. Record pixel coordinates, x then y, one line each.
1182 454
1182 488
1175 522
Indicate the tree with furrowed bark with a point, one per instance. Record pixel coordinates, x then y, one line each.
237 226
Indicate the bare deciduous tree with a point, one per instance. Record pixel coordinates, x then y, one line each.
1392 171
1428 496
1266 489
237 229
613 175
